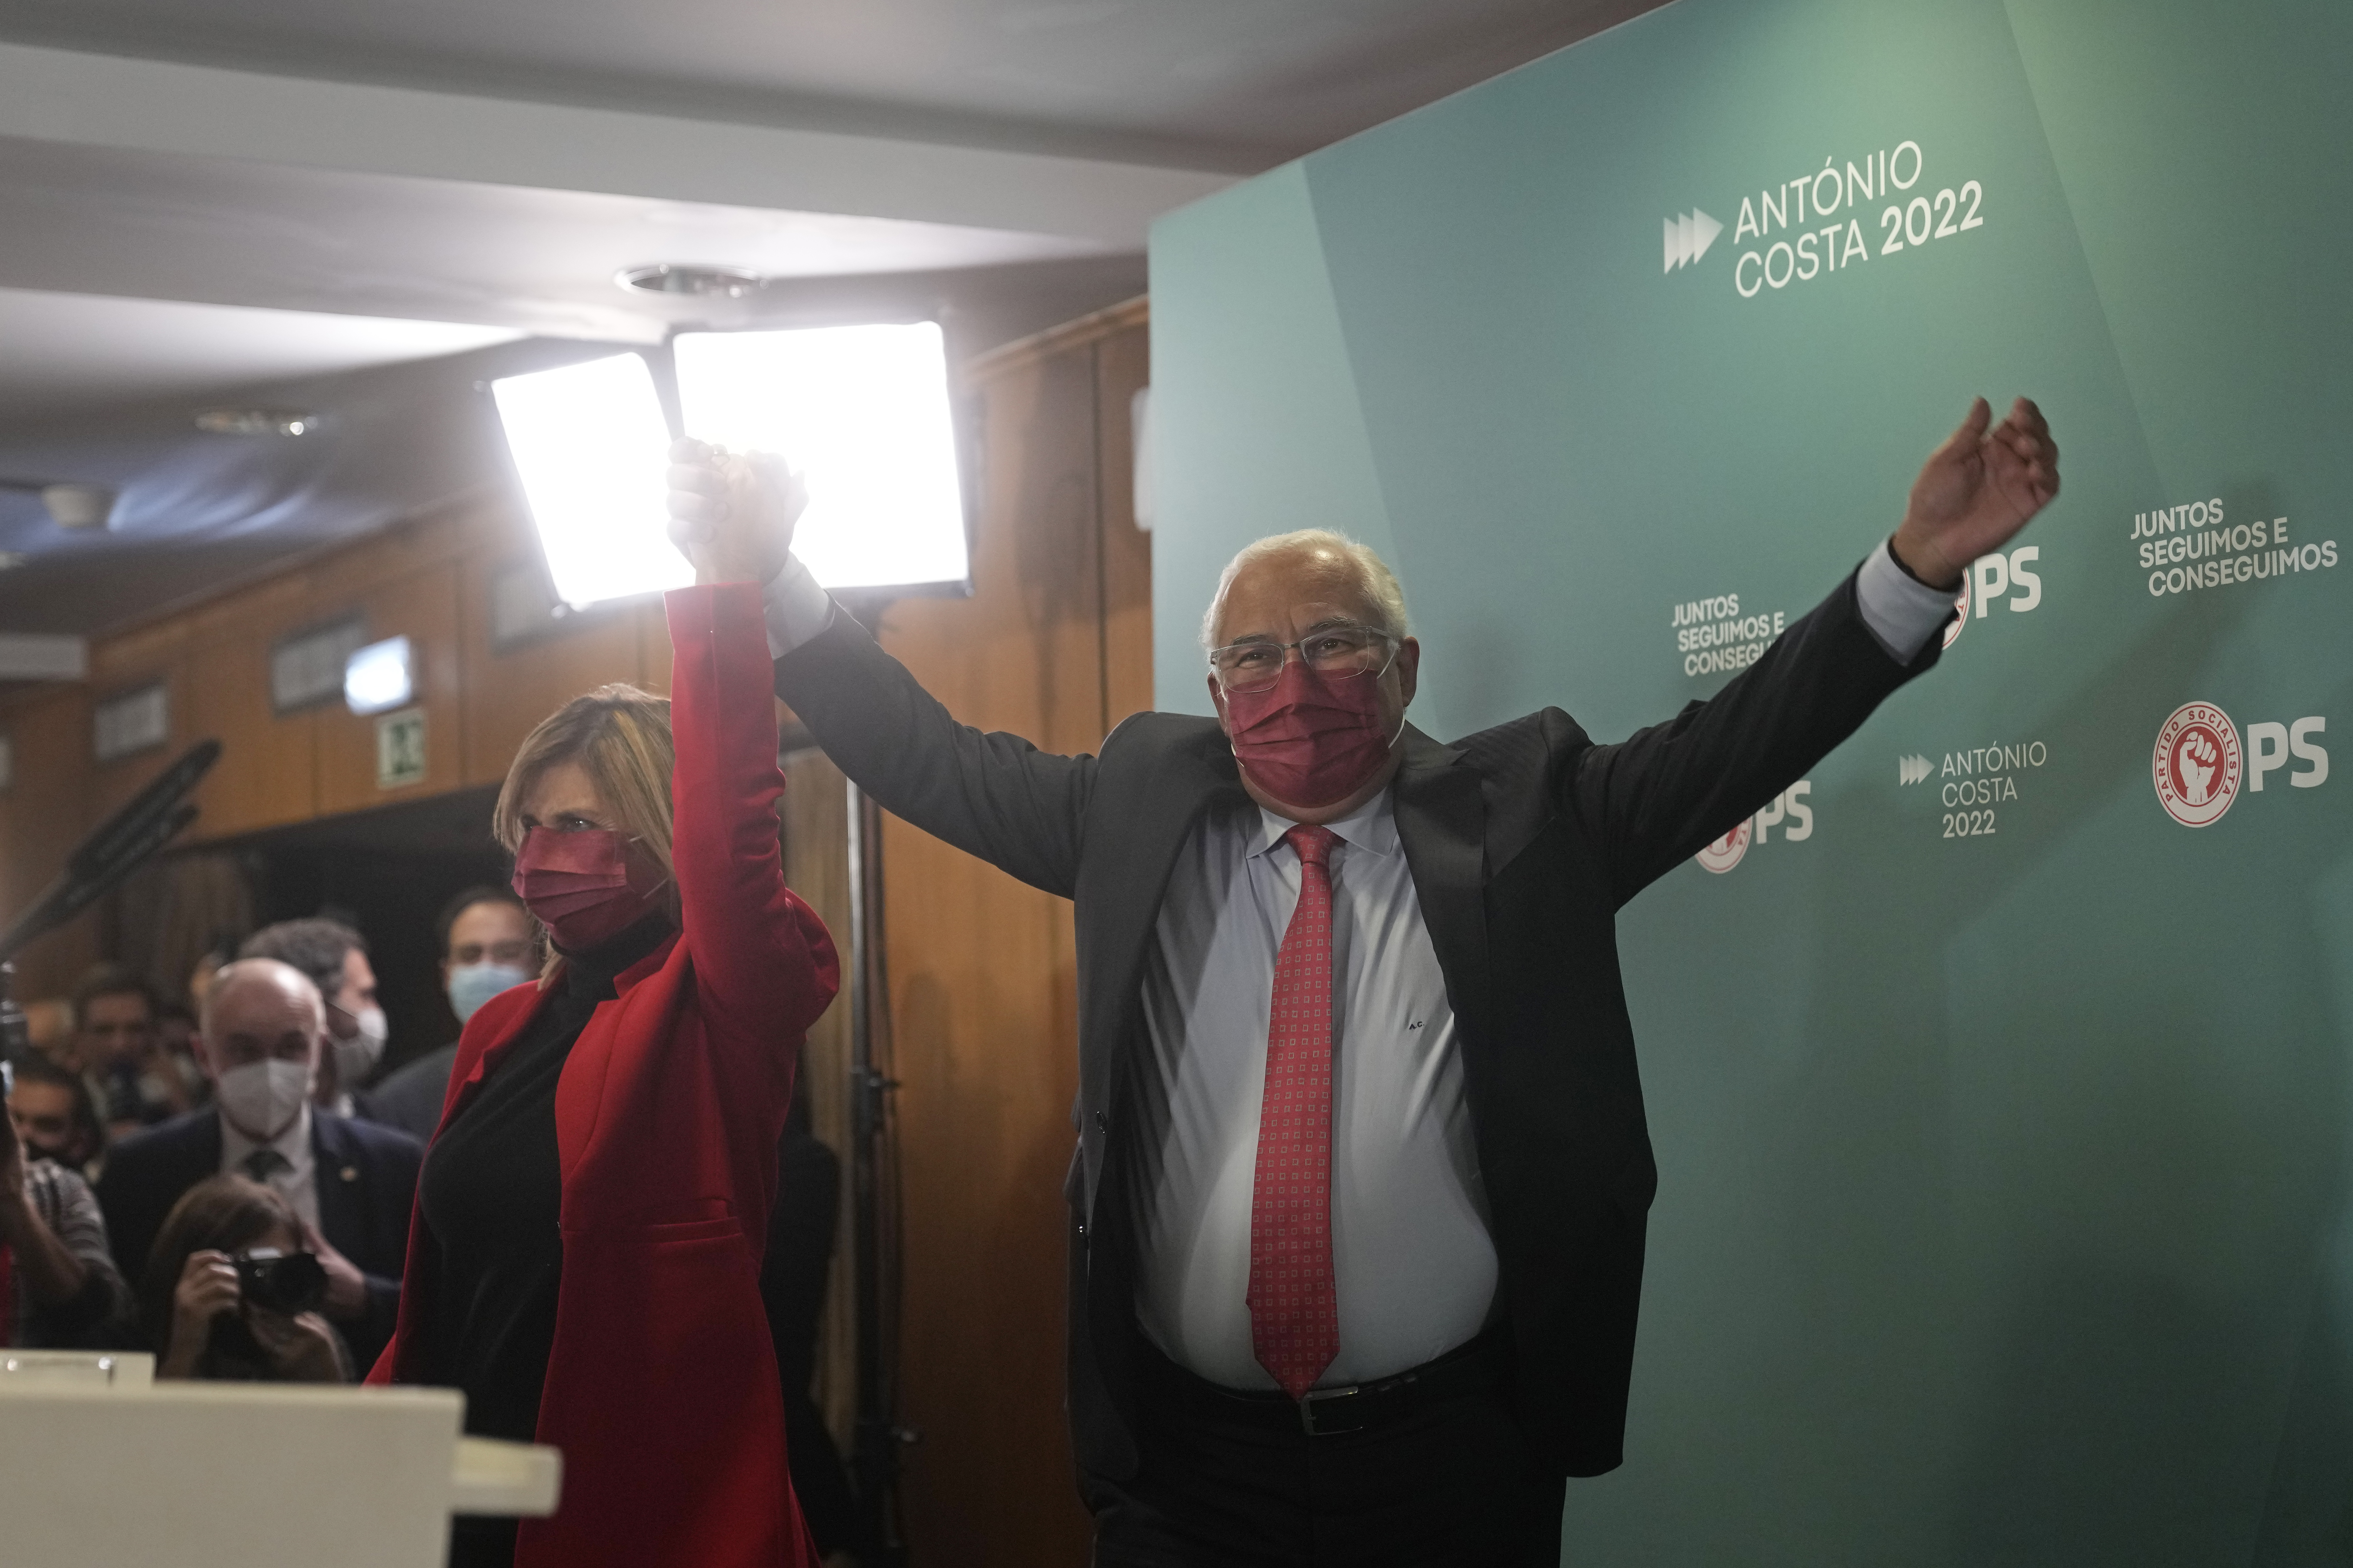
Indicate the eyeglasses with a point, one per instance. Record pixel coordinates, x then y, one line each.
1336 653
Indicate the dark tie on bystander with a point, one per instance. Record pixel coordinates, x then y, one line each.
264 1163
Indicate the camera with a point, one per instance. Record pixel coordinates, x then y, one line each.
282 1282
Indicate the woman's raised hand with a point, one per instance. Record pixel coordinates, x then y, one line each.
732 514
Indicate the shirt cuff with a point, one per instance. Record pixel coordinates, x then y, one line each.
1901 612
794 607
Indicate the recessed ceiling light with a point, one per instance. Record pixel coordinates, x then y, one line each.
257 422
78 506
68 505
704 282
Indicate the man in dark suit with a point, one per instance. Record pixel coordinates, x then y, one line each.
351 1182
1357 1209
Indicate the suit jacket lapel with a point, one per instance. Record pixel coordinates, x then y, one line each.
1442 823
1128 880
1120 892
342 1219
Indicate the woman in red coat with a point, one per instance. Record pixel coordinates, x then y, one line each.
585 1260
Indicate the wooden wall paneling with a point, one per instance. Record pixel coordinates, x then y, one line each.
267 771
268 774
1123 368
423 606
159 652
816 867
409 546
506 693
983 976
42 815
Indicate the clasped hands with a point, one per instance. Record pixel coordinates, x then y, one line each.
732 514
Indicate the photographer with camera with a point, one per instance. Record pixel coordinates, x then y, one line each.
230 1293
348 1184
58 1287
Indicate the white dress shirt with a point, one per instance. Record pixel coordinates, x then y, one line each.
1414 1264
297 1179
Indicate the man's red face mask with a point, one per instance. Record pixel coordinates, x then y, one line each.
1310 740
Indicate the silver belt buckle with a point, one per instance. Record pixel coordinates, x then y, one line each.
1315 1396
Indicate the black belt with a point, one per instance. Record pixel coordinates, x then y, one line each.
1482 1364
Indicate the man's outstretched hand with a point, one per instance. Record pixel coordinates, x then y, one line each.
1975 491
733 513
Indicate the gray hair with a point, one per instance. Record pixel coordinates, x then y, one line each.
1379 585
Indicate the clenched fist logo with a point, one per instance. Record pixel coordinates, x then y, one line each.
2197 764
2194 761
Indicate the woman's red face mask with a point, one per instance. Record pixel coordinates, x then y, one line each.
586 885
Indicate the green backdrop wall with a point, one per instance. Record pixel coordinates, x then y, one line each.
2003 1119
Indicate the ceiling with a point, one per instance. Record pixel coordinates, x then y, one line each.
68 351
1234 85
366 209
105 220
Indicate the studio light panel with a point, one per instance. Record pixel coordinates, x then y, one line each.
592 448
862 412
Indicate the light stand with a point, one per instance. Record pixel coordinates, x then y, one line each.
874 1191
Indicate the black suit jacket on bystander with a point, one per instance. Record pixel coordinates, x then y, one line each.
366 1180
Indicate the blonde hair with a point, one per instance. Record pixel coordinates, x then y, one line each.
619 736
1381 589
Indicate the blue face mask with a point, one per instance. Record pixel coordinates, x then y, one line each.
472 985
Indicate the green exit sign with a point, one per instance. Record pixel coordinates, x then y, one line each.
400 749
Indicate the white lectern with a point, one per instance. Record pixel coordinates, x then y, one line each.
101 1464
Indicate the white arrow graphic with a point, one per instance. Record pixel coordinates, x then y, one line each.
1688 238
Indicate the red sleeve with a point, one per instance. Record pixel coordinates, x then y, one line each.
763 966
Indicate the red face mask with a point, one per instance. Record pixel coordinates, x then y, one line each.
1307 741
587 887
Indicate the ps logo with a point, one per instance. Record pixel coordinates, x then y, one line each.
2199 765
1990 577
1788 809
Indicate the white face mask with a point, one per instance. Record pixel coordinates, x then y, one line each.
263 1099
356 1057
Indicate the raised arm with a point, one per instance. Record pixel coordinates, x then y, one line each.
1659 796
993 795
762 958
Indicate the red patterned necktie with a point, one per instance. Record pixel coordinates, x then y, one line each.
1294 1311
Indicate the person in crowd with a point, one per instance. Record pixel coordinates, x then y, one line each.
55 1116
335 957
176 1049
349 1184
1374 1315
488 945
636 1096
50 1028
202 1315
792 1286
116 1047
60 1289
